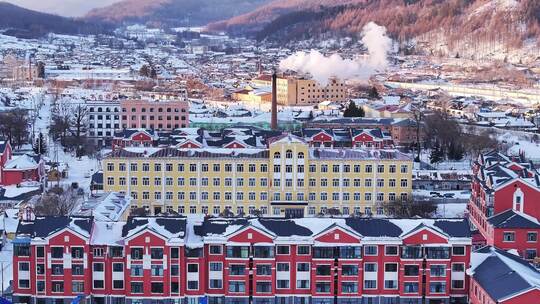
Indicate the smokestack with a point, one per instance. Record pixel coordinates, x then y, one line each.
273 123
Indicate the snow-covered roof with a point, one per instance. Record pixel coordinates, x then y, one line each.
21 162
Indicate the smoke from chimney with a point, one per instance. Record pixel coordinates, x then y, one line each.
323 68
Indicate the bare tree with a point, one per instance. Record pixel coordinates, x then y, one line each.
57 202
409 209
79 121
14 126
418 117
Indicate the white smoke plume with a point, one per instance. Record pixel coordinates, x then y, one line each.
323 68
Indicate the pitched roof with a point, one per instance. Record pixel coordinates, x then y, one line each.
502 274
513 219
43 227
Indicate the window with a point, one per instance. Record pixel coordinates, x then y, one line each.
303 250
390 284
136 253
322 287
508 237
118 267
237 269
302 284
136 270
236 286
193 268
282 284
24 266
40 269
98 267
193 285
215 249
370 267
282 267
216 284
156 287
283 250
458 250
99 284
410 287
57 269
404 168
532 236
370 284
437 287
57 286
57 252
156 253
411 270
323 270
437 270
263 287
458 267
77 286
157 270
40 251
349 270
390 267
370 250
264 269
458 284
390 250
118 284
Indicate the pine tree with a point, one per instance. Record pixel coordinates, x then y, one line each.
353 111
436 155
373 93
40 146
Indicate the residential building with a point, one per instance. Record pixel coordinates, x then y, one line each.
16 169
284 179
166 114
503 203
103 120
241 260
296 90
497 276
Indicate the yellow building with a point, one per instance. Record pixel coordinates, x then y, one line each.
287 178
293 91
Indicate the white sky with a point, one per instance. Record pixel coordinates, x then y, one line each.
72 8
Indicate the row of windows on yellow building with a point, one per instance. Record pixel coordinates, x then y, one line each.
288 174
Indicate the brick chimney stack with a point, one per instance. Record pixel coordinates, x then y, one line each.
274 121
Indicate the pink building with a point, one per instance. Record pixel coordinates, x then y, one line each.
155 115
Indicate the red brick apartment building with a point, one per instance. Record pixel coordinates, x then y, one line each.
504 204
155 114
242 261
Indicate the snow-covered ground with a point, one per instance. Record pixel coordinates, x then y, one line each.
451 210
6 265
79 169
451 194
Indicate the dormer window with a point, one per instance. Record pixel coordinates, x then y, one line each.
518 202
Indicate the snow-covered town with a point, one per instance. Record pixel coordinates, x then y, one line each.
224 162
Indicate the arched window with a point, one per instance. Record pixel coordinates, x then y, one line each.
300 155
288 154
518 203
277 155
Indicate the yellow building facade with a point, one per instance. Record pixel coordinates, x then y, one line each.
293 91
288 178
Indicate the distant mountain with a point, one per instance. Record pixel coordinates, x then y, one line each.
173 12
25 23
458 27
70 8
